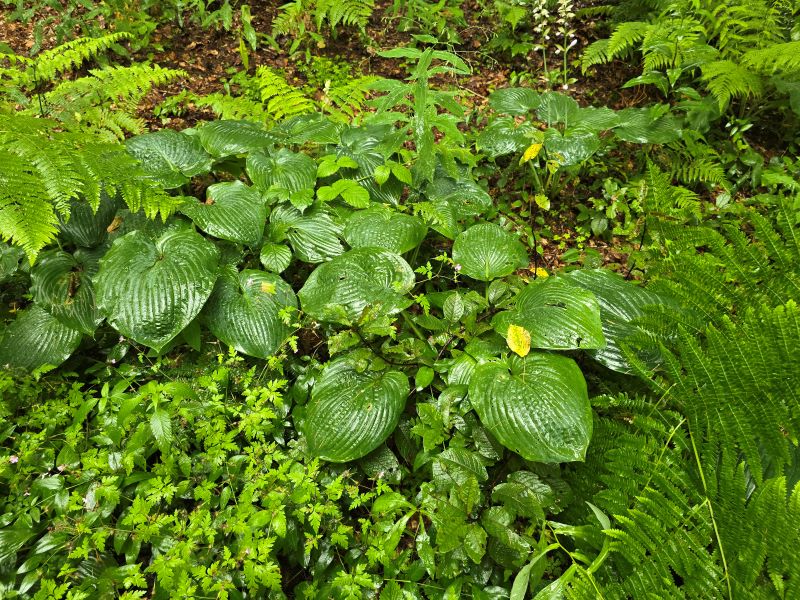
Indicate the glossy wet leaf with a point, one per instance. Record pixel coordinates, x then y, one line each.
232 211
487 251
244 308
227 137
150 288
384 228
35 338
170 158
353 409
313 235
340 290
284 170
539 408
275 257
514 101
86 227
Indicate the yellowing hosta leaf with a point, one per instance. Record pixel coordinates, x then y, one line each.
519 340
531 153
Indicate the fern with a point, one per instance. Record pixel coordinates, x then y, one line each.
280 99
727 80
780 58
354 13
344 102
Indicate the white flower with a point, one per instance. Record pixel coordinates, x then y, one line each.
13 459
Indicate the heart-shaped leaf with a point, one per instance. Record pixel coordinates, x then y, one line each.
284 171
487 251
340 290
275 257
353 409
225 138
232 211
539 408
169 157
505 136
571 148
244 311
621 304
384 228
514 101
557 314
557 108
86 227
35 339
61 284
151 288
314 236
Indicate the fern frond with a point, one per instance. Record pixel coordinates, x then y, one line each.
281 100
354 13
621 42
779 58
727 80
67 57
344 102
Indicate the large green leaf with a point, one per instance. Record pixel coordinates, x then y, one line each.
86 227
557 314
314 236
224 138
244 311
514 101
284 171
465 196
353 409
150 288
169 157
539 407
232 211
558 108
571 148
340 290
487 251
647 126
10 257
505 136
382 227
35 339
621 304
61 283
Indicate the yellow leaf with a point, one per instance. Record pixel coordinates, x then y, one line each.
540 272
531 153
519 340
267 288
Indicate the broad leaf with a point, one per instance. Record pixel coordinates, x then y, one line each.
514 101
244 311
558 108
353 409
340 290
505 136
647 126
35 339
487 251
571 148
224 138
384 228
557 314
525 494
539 408
151 288
275 257
314 236
169 157
232 211
284 170
88 228
61 283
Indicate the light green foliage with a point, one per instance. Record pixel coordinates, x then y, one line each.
303 21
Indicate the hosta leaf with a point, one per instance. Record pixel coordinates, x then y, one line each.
353 409
571 148
225 138
150 288
594 119
35 339
86 227
539 408
558 108
466 197
487 251
61 283
284 170
557 314
312 128
275 257
340 290
232 211
314 236
646 126
621 303
170 157
514 101
243 311
384 228
9 260
504 136
519 340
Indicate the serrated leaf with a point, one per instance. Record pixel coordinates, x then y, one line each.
384 228
283 170
557 314
539 408
35 339
275 257
150 288
170 158
487 251
226 138
243 311
353 411
455 465
314 236
340 290
61 283
519 340
232 211
525 494
161 427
